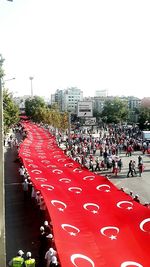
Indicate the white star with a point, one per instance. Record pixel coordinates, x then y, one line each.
72 233
60 209
107 190
129 208
94 211
112 237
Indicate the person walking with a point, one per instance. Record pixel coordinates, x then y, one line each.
140 169
25 189
97 164
140 165
91 165
48 256
130 169
42 246
116 169
29 262
54 261
119 165
134 167
18 260
136 198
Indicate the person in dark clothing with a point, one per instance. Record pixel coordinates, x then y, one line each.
136 198
42 246
130 169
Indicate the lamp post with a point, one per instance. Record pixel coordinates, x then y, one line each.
69 127
2 191
31 79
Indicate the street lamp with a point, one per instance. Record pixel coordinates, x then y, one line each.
9 79
2 191
31 79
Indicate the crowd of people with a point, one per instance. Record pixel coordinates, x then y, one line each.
47 249
47 253
103 151
98 154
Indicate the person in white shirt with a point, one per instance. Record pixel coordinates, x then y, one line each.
48 256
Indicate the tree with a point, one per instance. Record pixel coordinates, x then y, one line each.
144 118
115 111
32 105
10 111
64 124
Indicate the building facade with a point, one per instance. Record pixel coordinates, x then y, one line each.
67 99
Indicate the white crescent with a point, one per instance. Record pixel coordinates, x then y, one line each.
41 157
108 228
48 187
77 170
29 160
103 185
61 160
26 154
32 165
122 202
57 171
27 151
64 226
56 151
90 177
142 224
59 202
57 156
77 190
68 164
81 256
91 204
129 263
52 166
65 180
36 171
45 161
41 179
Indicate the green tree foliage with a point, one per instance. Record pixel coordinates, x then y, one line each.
10 111
37 110
144 118
33 105
115 111
64 123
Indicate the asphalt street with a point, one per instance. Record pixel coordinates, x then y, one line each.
139 185
22 223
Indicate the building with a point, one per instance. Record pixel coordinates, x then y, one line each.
101 93
67 99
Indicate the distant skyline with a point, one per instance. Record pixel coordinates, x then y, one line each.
89 44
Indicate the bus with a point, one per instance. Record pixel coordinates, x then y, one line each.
146 136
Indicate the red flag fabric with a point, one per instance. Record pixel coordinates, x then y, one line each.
95 224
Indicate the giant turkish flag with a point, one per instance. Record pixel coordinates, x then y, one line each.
95 224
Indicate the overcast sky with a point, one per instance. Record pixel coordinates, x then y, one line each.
90 44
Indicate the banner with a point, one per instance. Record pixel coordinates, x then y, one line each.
95 224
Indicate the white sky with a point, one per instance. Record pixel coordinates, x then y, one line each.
91 44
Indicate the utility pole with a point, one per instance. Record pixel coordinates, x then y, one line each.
31 79
69 126
2 184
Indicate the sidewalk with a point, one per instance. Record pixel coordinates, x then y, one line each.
22 224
